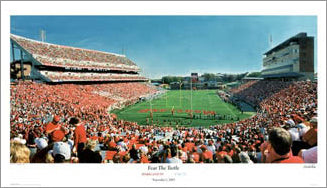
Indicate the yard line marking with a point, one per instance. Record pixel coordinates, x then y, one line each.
226 106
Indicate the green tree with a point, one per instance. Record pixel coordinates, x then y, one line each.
209 76
254 74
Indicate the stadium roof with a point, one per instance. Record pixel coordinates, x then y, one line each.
252 78
13 36
288 74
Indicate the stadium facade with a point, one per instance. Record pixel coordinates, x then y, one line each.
291 59
51 63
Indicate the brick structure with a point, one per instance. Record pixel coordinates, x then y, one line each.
292 59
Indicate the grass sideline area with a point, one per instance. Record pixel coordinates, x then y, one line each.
204 103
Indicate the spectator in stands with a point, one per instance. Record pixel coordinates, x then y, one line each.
29 111
79 135
278 147
43 155
55 131
61 152
88 155
244 158
308 137
19 153
309 155
228 159
174 156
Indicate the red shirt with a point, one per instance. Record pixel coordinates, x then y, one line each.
144 159
110 155
56 135
51 126
112 144
292 159
79 135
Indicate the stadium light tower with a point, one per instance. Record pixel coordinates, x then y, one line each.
270 41
166 99
42 35
191 97
180 94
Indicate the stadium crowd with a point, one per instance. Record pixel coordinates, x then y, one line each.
70 123
64 56
77 76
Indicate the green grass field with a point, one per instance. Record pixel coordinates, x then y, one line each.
180 101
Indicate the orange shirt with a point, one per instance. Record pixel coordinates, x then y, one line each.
196 157
208 155
189 146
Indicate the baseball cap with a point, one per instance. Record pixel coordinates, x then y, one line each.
62 149
314 120
290 122
41 143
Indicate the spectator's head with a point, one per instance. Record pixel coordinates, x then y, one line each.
244 157
228 159
174 151
61 152
126 158
19 153
203 148
116 158
91 144
74 121
280 140
49 158
56 119
314 122
58 158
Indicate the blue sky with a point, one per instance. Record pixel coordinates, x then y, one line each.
173 45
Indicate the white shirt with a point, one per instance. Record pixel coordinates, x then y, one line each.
310 155
174 160
211 148
295 134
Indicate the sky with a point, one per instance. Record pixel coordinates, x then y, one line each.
173 45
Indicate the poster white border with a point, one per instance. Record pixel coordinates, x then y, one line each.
203 175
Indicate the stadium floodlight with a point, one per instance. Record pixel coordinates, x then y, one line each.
191 98
42 35
180 94
13 51
166 99
151 112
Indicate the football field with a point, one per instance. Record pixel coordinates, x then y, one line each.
175 108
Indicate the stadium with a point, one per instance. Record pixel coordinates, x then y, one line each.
74 105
